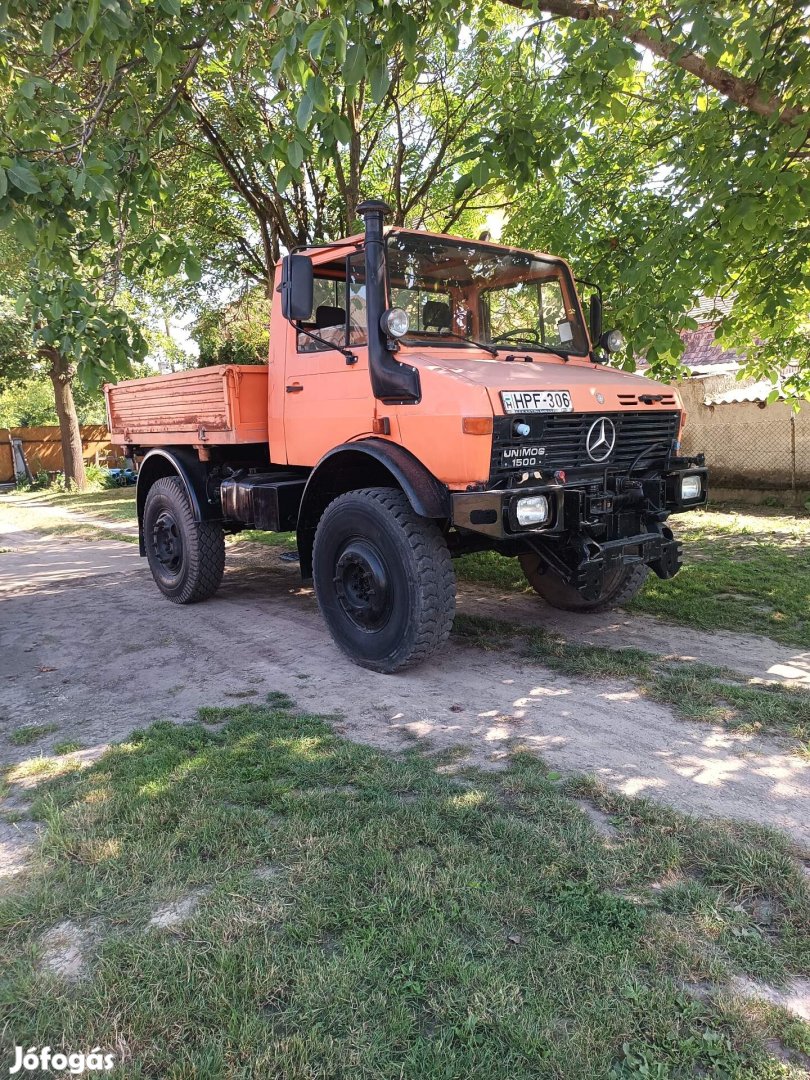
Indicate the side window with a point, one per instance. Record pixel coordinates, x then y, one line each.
328 310
428 311
555 327
358 320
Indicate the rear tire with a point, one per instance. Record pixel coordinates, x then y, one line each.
619 587
186 556
383 579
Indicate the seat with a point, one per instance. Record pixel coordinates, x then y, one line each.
326 315
436 313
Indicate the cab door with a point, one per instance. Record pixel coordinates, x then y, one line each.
327 395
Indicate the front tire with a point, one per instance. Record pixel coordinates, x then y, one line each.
383 579
618 588
186 556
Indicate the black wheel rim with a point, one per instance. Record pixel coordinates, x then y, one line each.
363 585
167 542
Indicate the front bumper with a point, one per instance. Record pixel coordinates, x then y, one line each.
592 527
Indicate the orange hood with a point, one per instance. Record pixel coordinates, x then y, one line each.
593 387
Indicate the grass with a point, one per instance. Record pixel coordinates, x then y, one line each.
112 504
30 733
744 571
69 746
693 691
47 514
363 916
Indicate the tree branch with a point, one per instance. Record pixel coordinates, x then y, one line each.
741 91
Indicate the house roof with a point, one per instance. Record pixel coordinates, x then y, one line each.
757 392
711 309
700 350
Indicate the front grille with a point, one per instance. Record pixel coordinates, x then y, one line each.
560 441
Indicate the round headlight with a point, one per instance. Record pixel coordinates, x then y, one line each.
394 322
614 341
691 488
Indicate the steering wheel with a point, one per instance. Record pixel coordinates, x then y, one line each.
521 333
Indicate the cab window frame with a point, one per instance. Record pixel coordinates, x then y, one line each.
305 345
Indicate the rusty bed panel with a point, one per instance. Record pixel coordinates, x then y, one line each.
215 405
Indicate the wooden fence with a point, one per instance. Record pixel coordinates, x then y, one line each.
43 448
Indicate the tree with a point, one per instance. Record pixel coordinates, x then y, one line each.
86 88
299 107
96 96
234 333
299 162
664 188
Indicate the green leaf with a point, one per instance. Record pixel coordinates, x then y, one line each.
316 88
48 31
171 7
22 178
615 55
303 113
753 41
64 18
238 54
315 36
109 63
192 268
342 130
285 177
295 154
3 183
355 67
24 230
462 184
379 78
153 51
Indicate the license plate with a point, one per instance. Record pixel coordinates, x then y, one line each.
536 401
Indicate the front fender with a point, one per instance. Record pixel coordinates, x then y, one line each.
362 464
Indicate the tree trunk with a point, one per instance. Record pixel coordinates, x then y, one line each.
61 373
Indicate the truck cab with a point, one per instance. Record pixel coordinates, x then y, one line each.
427 396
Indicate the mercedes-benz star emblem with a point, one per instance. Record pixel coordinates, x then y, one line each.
601 439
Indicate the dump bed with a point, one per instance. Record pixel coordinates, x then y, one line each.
206 406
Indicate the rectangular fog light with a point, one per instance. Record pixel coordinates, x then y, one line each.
691 488
533 510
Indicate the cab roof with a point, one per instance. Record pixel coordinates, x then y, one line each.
324 252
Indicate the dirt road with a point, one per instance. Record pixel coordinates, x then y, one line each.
87 643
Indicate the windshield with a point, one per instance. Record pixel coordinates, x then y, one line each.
457 291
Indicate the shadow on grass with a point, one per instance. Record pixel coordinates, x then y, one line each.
358 914
734 579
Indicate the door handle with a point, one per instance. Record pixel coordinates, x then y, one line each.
296 388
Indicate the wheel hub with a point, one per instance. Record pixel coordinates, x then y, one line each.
362 585
167 542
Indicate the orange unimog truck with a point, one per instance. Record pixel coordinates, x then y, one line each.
426 396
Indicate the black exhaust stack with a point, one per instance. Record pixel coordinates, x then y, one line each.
392 382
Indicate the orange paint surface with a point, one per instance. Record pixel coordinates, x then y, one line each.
304 403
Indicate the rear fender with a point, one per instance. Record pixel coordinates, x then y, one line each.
367 463
175 461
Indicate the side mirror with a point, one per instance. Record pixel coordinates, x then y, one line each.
297 287
595 319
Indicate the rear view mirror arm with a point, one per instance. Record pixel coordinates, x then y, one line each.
350 356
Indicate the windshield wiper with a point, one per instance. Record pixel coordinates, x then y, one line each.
469 341
540 346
